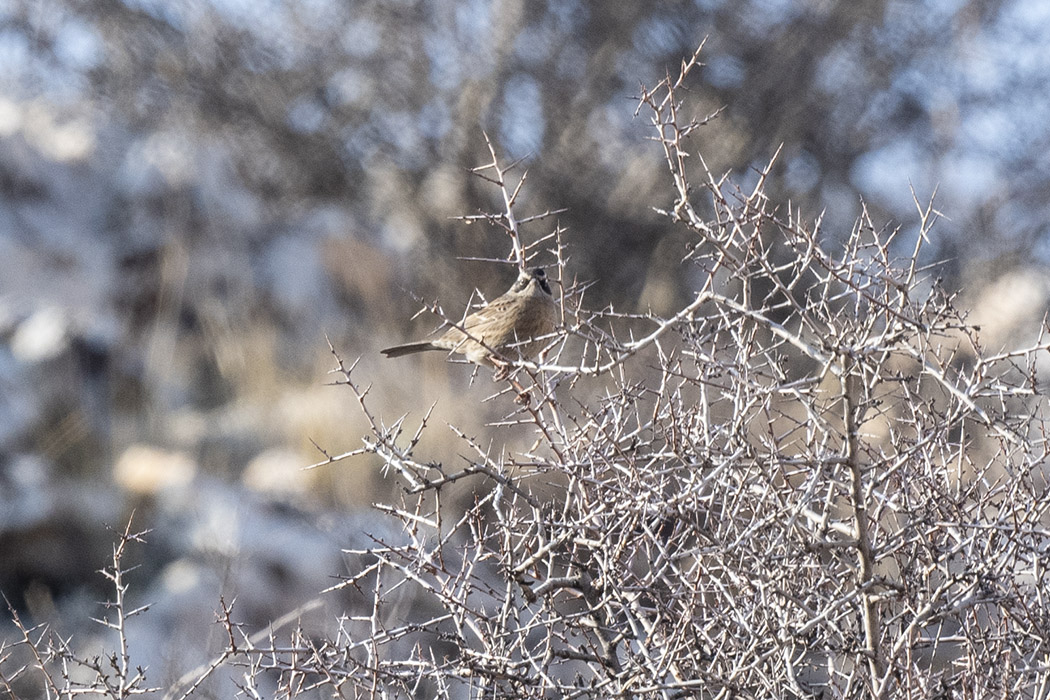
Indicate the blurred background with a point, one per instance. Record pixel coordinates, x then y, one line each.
194 192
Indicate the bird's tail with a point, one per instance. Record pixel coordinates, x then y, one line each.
408 349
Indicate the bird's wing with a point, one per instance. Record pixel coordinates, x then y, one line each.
479 326
482 318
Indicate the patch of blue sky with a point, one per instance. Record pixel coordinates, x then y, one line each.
78 45
447 64
434 120
522 122
883 174
658 35
14 54
473 20
361 37
535 43
175 14
306 115
569 16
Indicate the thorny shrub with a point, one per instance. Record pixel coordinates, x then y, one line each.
809 482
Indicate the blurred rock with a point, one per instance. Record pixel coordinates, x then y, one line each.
24 495
41 348
264 558
19 405
41 337
146 470
278 473
1009 309
56 381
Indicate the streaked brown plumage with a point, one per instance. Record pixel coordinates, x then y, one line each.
513 325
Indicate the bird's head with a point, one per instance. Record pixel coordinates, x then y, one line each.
535 277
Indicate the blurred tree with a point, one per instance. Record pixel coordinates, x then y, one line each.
376 107
197 171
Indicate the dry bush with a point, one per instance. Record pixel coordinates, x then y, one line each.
809 482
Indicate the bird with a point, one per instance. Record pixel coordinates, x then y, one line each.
512 326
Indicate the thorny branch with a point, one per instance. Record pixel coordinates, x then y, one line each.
789 487
807 481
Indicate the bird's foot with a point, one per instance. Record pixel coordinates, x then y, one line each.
502 370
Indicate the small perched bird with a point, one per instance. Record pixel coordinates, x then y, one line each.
512 326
